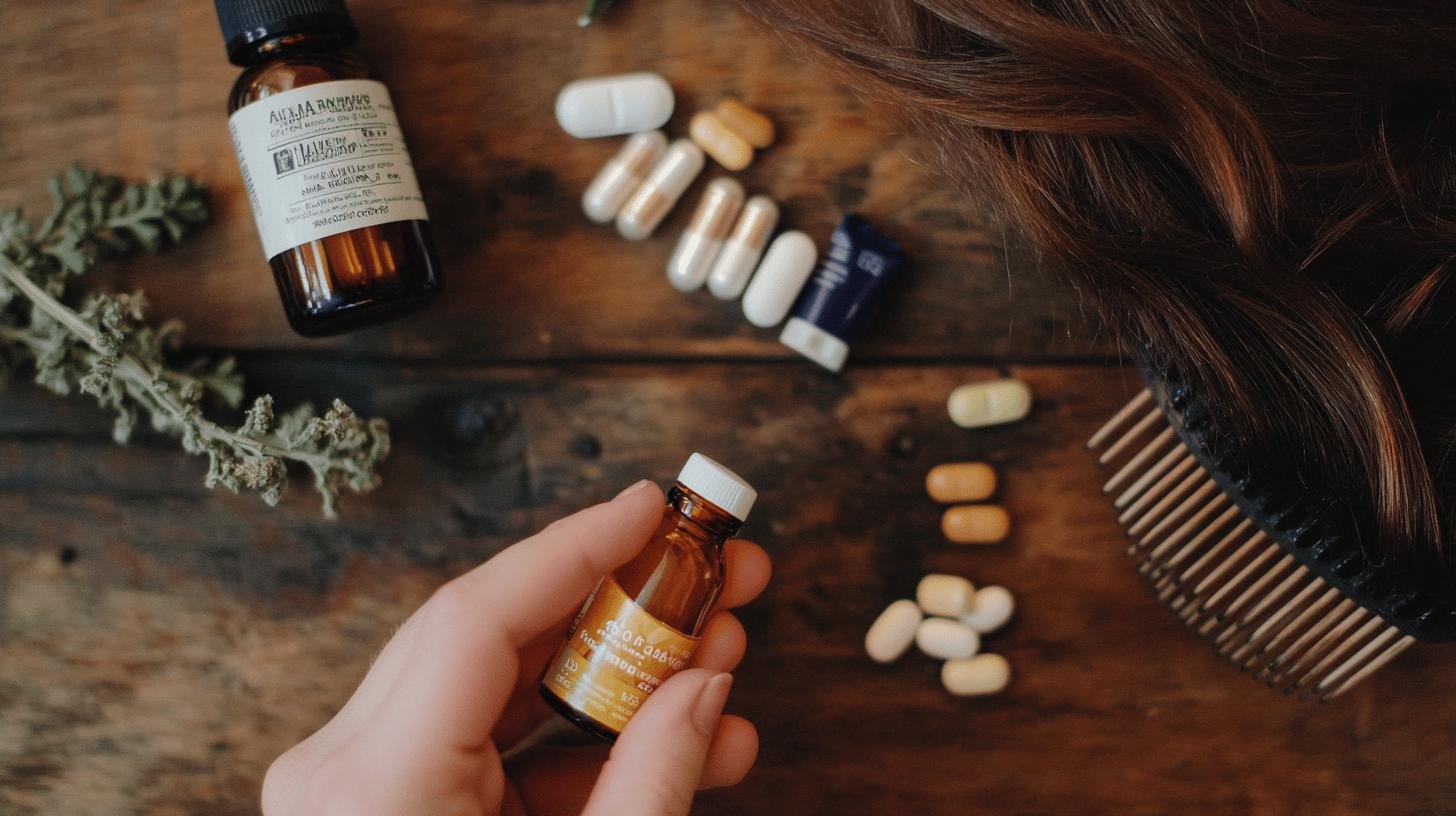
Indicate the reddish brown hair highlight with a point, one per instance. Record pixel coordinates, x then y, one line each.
1262 192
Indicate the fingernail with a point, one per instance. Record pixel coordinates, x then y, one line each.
710 703
636 488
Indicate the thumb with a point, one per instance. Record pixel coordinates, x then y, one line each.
656 764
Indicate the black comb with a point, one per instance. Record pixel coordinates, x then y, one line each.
1271 576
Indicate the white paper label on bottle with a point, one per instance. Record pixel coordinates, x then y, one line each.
324 159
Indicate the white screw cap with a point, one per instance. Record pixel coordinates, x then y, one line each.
718 485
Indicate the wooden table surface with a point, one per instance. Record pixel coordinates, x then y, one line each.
161 643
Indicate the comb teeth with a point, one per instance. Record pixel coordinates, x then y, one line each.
1227 579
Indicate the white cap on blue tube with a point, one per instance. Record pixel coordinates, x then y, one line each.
815 343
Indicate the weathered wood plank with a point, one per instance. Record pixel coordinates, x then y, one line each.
528 276
193 635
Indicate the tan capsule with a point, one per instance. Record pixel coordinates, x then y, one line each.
946 639
976 676
956 482
735 264
893 631
946 596
726 147
976 524
701 241
753 126
990 609
669 179
621 175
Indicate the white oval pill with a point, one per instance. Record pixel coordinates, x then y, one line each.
977 405
982 674
947 639
614 105
991 608
948 596
744 248
700 242
785 269
622 175
669 179
892 632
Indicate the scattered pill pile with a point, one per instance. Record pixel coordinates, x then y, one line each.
728 237
946 621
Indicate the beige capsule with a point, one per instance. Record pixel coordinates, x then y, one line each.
726 147
701 242
753 126
946 596
622 175
665 184
976 676
956 482
893 631
744 248
976 524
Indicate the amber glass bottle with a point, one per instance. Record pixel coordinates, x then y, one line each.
643 622
331 183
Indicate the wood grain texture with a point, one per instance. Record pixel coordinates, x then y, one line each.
161 643
194 636
528 277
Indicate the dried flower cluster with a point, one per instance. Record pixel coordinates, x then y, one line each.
100 344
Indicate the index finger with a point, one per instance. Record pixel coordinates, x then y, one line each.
525 589
463 662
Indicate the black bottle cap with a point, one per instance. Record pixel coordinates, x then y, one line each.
248 22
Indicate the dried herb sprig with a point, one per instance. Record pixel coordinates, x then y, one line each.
101 345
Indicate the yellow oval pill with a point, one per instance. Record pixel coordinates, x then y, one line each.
754 127
726 147
976 524
955 482
945 596
976 676
978 405
893 631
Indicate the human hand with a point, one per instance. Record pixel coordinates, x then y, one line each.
457 687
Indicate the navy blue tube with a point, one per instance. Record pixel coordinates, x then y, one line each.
844 294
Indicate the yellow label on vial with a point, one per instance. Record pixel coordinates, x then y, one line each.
616 656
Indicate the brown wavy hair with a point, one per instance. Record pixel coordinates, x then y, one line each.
1262 191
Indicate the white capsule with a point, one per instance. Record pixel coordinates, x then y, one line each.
669 179
621 175
744 248
614 105
989 403
990 609
785 269
946 639
703 238
948 596
892 632
973 677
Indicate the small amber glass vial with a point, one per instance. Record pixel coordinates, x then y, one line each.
331 183
643 622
